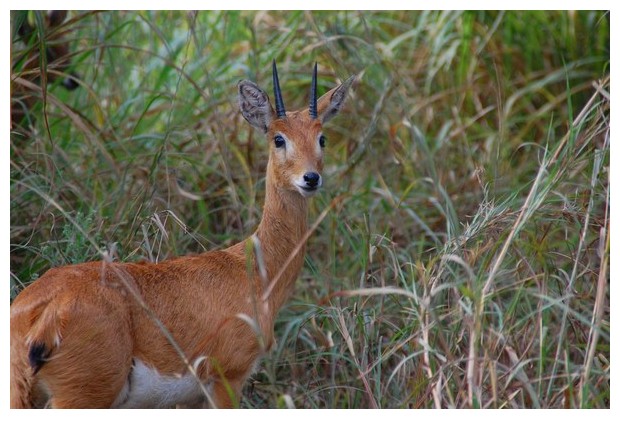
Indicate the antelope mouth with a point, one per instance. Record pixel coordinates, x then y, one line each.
307 191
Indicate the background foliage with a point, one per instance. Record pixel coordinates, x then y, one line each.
467 262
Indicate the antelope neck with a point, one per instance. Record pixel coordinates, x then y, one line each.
282 227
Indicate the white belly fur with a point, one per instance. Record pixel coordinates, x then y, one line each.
147 388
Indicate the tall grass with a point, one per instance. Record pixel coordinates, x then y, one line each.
466 262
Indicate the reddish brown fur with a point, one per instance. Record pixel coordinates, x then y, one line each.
92 327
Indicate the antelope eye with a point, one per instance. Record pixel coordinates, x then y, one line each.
322 141
279 141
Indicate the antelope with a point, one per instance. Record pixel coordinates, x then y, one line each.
149 335
25 84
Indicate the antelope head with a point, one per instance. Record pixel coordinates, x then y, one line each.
296 139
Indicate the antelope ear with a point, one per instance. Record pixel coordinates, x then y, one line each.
331 102
254 104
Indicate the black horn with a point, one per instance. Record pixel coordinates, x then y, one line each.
313 112
280 111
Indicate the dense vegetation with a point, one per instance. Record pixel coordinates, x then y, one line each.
464 257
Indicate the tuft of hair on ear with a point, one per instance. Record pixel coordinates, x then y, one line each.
254 105
342 91
332 102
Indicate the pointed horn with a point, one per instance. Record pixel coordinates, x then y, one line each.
312 109
280 111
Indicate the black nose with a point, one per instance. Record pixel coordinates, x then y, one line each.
312 179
